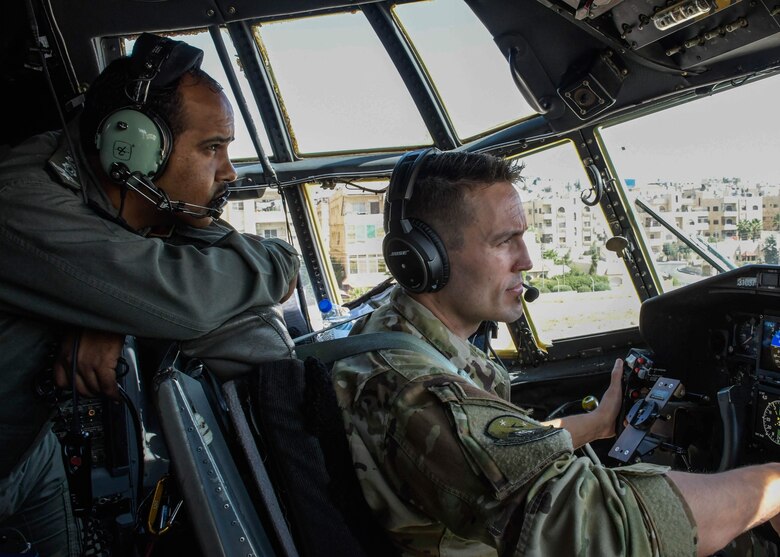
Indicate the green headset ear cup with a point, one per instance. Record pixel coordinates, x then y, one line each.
137 139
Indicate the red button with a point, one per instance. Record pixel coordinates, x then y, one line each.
75 461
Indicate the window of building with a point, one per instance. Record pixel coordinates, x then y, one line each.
266 232
366 264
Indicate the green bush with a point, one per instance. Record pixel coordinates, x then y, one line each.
582 282
574 281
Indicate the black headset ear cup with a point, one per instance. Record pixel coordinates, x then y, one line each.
442 275
417 259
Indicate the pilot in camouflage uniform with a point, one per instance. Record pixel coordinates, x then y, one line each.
451 467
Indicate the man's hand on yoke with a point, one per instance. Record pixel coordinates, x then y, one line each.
98 357
611 401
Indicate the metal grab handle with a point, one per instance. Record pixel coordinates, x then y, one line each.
542 106
597 187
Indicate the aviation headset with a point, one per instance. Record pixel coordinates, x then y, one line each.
134 143
413 251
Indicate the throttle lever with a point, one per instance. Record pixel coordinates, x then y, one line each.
731 405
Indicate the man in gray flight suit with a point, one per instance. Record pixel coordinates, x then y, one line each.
116 231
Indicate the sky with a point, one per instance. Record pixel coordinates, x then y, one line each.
734 133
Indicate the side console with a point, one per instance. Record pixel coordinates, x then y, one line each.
765 439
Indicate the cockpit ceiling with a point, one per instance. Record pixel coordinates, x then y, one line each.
589 58
685 34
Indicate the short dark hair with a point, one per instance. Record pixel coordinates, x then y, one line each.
439 196
108 93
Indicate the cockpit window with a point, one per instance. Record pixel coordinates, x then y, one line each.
339 88
467 69
340 92
585 288
709 170
242 147
350 217
268 217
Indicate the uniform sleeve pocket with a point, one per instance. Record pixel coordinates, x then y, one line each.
502 444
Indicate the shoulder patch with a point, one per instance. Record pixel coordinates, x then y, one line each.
514 430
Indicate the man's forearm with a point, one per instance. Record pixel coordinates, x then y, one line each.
727 504
600 423
583 428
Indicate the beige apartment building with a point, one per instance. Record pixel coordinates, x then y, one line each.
355 231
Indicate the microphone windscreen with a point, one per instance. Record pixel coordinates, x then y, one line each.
531 293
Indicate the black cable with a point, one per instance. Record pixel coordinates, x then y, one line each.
140 507
45 67
138 439
352 185
562 408
75 420
286 215
496 356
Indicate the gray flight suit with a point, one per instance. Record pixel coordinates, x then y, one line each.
65 263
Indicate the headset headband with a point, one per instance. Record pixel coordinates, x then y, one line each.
401 188
158 62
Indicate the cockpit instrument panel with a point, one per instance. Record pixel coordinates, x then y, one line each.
766 426
769 360
745 336
728 349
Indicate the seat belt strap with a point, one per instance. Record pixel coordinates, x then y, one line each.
330 351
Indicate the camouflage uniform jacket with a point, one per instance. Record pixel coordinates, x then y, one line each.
450 467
